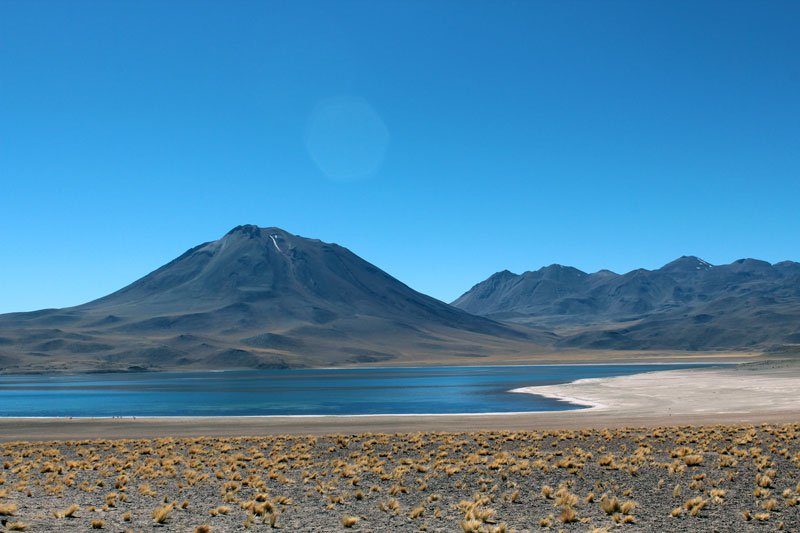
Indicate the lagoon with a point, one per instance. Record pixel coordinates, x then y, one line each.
351 391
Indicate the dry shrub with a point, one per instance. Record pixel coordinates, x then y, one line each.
8 509
349 521
161 514
566 499
470 526
568 514
70 511
693 460
610 506
769 505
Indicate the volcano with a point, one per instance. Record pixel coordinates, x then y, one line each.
257 298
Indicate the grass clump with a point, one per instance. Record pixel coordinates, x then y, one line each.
70 511
161 514
610 505
693 460
8 509
471 525
568 514
349 521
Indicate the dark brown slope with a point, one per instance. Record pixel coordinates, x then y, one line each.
687 304
257 298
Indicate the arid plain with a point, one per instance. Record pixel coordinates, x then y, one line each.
659 451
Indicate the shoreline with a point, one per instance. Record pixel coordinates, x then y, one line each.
765 392
586 405
567 358
682 360
30 430
574 404
715 389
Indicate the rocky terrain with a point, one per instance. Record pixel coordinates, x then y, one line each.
720 478
687 304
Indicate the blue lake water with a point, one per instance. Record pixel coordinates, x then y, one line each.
298 392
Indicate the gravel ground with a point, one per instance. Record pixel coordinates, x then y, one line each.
712 478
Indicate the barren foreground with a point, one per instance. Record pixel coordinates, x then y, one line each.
712 478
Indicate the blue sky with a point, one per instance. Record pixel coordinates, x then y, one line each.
442 141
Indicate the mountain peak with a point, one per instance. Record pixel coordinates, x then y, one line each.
750 265
561 273
604 272
556 267
252 231
246 229
686 263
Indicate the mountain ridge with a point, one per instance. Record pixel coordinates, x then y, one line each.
745 303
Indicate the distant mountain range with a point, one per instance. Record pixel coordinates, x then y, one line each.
687 304
264 298
257 298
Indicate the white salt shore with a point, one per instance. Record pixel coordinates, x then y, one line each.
693 391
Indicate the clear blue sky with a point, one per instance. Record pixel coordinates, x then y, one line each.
442 141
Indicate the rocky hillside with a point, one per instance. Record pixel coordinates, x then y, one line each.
687 304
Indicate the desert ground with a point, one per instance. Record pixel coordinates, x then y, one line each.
711 449
690 478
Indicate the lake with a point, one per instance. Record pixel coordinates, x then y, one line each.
353 391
